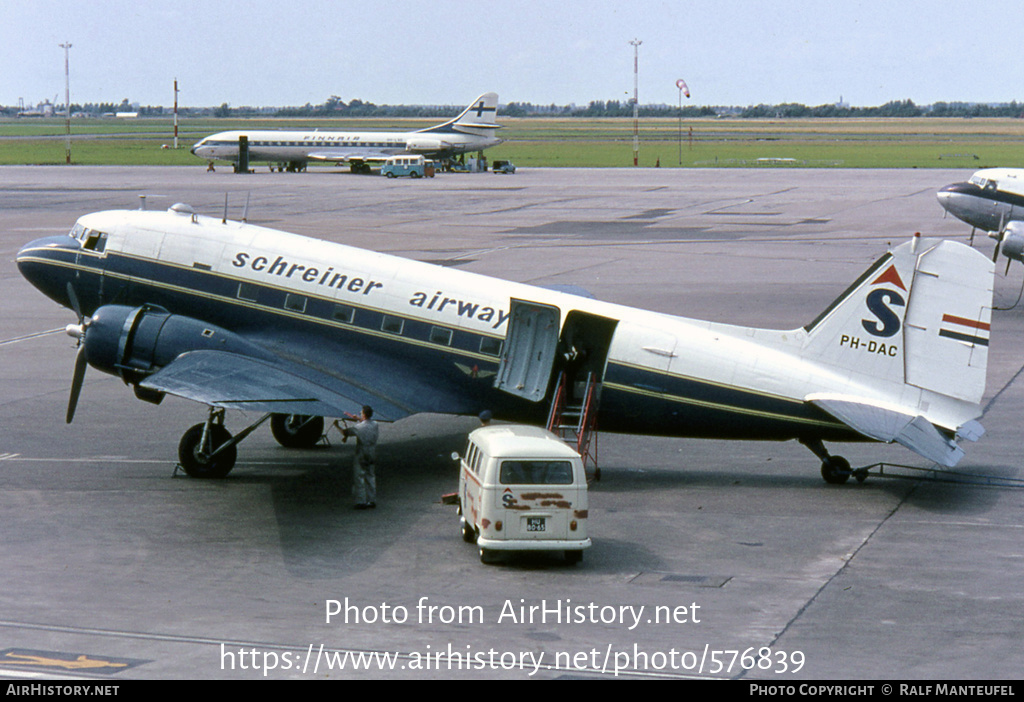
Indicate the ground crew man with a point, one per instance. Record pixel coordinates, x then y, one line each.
364 474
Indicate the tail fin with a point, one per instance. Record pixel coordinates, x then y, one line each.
920 316
480 117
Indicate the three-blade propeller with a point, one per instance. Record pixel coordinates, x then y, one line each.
77 331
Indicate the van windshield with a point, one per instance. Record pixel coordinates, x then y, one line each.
536 473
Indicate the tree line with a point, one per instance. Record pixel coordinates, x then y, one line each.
336 107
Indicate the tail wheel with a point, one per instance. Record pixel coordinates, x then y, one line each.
196 455
836 470
297 430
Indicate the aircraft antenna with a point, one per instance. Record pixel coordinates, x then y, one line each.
245 212
224 219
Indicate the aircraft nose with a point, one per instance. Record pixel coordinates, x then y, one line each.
38 247
43 263
950 195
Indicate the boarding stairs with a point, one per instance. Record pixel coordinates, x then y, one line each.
574 420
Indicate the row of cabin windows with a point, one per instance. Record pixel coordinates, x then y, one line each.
346 144
345 314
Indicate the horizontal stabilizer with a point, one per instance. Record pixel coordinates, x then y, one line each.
886 423
571 290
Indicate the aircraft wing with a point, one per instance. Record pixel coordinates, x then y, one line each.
235 381
346 156
888 423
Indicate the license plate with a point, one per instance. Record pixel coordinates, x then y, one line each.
536 524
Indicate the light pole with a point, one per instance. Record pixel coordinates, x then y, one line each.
175 113
67 104
636 101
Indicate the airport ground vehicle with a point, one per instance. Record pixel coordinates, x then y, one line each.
521 488
412 166
504 167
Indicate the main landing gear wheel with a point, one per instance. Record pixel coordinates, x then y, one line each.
297 430
197 456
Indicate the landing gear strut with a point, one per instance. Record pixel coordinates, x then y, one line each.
207 450
834 469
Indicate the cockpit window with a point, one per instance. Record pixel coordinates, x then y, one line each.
92 239
984 183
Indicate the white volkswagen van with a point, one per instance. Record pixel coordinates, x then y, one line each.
521 488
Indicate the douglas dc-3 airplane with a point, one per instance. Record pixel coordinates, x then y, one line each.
993 201
473 130
234 315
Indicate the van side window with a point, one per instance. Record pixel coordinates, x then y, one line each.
536 473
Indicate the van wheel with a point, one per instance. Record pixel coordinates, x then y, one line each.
468 532
573 557
487 556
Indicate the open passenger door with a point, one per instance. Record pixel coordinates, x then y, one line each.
528 355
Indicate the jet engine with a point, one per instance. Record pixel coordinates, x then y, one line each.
422 145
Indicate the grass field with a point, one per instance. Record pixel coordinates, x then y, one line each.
566 142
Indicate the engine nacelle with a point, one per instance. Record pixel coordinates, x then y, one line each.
423 145
133 342
1013 241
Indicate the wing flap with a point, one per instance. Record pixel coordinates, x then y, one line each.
888 424
233 381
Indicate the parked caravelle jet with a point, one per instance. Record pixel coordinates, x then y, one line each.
235 315
473 130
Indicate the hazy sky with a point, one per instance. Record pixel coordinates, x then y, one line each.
730 52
